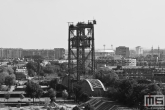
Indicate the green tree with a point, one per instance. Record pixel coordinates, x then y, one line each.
10 70
14 68
3 75
48 69
31 72
39 93
52 94
32 65
143 81
9 80
7 96
106 76
37 58
32 89
53 83
64 94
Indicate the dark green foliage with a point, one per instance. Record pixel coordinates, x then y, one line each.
33 90
48 69
131 92
9 70
37 58
143 81
7 96
15 61
83 97
31 72
53 83
112 93
89 107
76 108
3 75
52 94
44 83
32 65
39 93
14 68
10 80
106 76
63 66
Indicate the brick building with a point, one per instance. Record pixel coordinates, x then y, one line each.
122 50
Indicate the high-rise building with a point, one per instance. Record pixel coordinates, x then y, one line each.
10 52
139 50
1 52
122 50
59 53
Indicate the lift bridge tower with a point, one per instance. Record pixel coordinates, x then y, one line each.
81 49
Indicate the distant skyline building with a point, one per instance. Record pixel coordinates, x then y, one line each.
122 50
10 52
139 50
59 53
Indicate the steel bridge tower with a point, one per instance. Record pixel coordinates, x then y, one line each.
81 49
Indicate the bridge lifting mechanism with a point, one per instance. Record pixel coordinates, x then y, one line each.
81 50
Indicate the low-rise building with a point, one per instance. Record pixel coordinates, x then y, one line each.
130 62
104 53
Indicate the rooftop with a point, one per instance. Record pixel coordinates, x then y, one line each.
106 50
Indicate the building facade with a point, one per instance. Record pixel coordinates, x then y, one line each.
9 53
6 53
59 53
139 50
122 50
130 62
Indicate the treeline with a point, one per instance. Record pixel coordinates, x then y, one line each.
53 67
7 77
129 92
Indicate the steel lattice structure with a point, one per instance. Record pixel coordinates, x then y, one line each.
81 49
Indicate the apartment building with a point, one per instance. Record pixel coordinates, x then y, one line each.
122 50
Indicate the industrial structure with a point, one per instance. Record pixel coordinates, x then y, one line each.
81 50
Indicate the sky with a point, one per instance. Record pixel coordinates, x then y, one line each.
42 24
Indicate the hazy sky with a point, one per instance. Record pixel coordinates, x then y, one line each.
43 24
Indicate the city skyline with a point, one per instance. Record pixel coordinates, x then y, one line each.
43 24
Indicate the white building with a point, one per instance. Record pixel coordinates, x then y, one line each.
104 53
139 50
130 62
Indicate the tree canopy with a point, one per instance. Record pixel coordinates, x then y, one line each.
52 94
107 76
10 80
32 65
3 75
33 90
131 92
53 83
